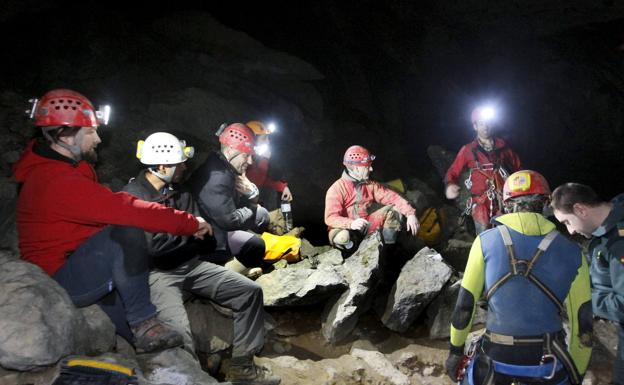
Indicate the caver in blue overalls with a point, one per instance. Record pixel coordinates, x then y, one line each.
526 270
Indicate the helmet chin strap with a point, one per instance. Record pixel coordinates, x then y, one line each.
73 149
163 177
236 153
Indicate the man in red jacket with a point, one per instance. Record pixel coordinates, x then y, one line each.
259 171
351 202
89 239
490 160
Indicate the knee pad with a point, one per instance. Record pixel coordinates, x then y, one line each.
252 252
342 240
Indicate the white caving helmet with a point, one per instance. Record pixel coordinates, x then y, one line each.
163 148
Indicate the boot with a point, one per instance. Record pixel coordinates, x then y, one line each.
153 335
243 371
249 272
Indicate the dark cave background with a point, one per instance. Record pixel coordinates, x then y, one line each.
395 76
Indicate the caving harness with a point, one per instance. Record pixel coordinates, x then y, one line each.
555 355
493 193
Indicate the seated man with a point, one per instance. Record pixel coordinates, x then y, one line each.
349 204
225 195
87 238
179 269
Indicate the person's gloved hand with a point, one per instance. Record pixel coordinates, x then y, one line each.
452 191
452 365
359 224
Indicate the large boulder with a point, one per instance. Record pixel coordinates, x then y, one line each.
421 279
301 286
361 272
39 324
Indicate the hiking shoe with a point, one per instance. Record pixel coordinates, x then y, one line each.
243 371
153 335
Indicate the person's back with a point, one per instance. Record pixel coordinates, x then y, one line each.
527 271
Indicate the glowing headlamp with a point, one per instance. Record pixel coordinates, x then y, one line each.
103 114
271 127
485 114
262 149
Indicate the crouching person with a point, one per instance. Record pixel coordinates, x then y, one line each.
179 269
87 238
350 202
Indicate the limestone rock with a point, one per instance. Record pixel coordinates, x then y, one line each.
420 281
212 325
441 309
173 366
360 270
300 286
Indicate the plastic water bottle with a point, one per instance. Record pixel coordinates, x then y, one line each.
287 213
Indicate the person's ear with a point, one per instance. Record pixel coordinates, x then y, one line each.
580 210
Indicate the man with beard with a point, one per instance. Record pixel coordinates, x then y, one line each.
351 201
579 208
179 270
87 238
230 200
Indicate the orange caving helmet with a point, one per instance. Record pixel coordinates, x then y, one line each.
258 127
63 107
525 182
239 137
357 156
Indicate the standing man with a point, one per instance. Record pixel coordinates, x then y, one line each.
527 270
180 271
89 239
490 160
258 172
230 200
350 204
579 208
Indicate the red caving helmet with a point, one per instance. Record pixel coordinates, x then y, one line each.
238 136
62 107
357 156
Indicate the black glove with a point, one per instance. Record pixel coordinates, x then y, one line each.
452 365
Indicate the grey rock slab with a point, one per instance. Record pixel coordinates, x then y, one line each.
421 279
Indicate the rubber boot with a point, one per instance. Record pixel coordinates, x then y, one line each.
153 335
237 267
243 371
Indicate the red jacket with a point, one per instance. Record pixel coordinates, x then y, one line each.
347 200
471 153
258 173
61 204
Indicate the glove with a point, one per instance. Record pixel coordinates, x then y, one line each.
452 365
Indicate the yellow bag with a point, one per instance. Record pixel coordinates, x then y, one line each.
429 230
397 184
281 247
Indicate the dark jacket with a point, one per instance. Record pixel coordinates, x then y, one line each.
607 264
169 250
213 187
